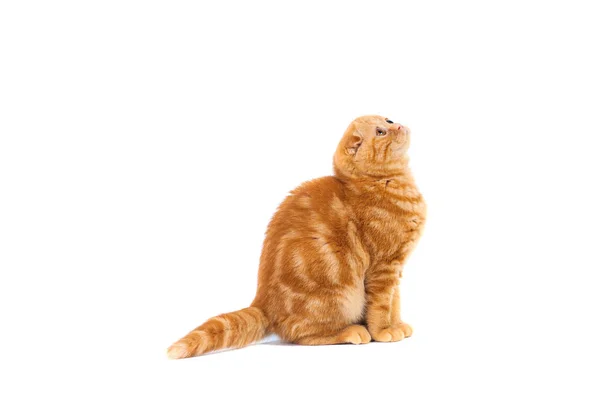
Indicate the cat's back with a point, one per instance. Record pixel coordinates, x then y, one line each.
313 205
311 248
312 223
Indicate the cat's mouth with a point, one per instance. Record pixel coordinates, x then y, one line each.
400 136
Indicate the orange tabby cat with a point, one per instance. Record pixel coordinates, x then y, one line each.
333 253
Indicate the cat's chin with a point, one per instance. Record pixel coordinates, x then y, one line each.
400 150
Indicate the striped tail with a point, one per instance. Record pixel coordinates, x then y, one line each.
231 330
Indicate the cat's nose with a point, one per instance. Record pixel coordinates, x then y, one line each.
403 129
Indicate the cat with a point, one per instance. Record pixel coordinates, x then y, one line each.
333 252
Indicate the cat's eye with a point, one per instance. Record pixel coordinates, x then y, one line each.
380 132
389 121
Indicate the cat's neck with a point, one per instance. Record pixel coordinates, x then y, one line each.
382 184
400 172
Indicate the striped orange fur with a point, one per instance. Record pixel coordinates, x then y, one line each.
333 253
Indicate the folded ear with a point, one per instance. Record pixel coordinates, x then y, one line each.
353 142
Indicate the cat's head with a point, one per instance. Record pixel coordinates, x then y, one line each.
372 146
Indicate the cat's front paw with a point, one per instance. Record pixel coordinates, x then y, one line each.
393 333
406 328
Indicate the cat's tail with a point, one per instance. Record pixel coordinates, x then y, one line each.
231 330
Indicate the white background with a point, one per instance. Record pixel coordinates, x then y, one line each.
145 145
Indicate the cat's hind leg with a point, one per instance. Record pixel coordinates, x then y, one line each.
356 334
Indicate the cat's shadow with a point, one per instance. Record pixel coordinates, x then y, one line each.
274 340
278 343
